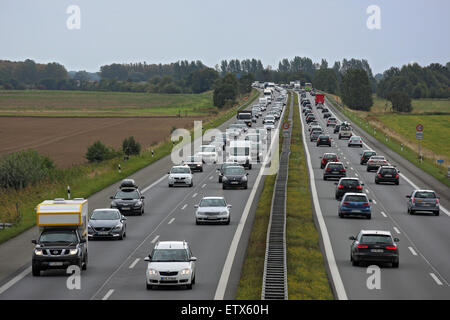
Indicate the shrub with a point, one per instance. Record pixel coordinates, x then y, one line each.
98 152
20 169
401 102
131 147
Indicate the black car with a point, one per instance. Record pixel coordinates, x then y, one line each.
234 177
128 200
334 170
195 163
326 115
222 168
347 185
310 119
365 156
325 109
323 140
374 246
336 128
387 174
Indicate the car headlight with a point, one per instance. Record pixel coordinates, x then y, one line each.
118 227
185 271
224 213
244 178
38 252
224 179
73 251
138 204
152 272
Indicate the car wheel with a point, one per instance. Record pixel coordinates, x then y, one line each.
189 286
197 222
340 215
223 187
246 186
228 221
395 264
84 265
148 286
376 182
35 270
193 280
367 169
355 263
411 212
436 213
369 216
397 183
201 170
170 185
191 184
250 167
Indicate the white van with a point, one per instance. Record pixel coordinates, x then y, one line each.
239 151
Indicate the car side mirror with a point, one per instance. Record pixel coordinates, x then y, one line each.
33 241
168 172
370 200
111 197
408 196
124 218
352 238
196 206
83 240
362 184
142 197
247 174
148 259
193 259
396 240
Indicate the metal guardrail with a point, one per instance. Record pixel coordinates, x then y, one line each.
275 269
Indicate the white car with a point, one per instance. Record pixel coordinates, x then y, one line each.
208 153
269 118
171 263
180 175
213 210
269 125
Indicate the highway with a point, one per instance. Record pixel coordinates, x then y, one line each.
424 271
116 269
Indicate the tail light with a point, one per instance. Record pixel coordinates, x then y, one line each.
437 201
359 187
346 203
328 169
342 170
391 247
396 176
362 246
318 139
340 186
379 175
366 204
362 158
413 200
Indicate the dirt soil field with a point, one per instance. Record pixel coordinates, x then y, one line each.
65 140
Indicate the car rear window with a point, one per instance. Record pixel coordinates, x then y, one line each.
369 154
335 165
376 238
350 183
425 194
356 198
388 170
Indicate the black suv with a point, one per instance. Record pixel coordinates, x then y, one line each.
347 185
323 140
234 177
365 156
128 199
334 170
387 174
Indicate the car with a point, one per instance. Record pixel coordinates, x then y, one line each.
365 156
195 163
310 119
324 110
375 162
328 157
180 175
314 135
222 167
355 141
345 131
254 118
239 151
170 263
345 185
319 105
313 124
213 210
331 121
128 200
269 125
323 140
334 170
355 204
234 177
336 128
374 246
423 200
387 174
269 118
316 128
107 223
326 115
208 153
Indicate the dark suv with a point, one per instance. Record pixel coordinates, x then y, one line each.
365 156
387 174
234 177
323 140
347 185
128 200
334 170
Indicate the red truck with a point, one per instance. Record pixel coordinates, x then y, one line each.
320 98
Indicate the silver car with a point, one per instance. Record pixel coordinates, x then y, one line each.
213 210
107 223
423 200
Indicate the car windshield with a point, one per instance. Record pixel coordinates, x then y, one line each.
376 238
355 138
233 171
169 255
425 194
355 198
58 236
105 215
212 203
324 137
180 170
349 182
208 149
369 154
127 194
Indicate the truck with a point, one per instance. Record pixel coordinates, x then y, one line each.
245 115
297 86
62 237
263 103
320 98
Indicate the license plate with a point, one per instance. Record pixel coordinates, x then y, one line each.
234 182
168 278
125 208
55 264
376 250
388 176
102 233
355 210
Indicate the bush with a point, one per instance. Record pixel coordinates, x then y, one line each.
131 147
20 169
98 152
401 102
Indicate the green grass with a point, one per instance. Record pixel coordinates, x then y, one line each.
59 103
84 180
419 105
307 277
428 164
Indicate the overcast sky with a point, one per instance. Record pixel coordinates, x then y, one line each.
212 30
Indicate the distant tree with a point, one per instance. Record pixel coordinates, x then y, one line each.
401 102
131 147
98 152
356 92
326 80
203 80
324 64
114 71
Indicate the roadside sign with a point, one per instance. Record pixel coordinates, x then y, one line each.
419 135
286 125
419 128
440 161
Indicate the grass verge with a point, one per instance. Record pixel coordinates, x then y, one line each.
307 277
85 180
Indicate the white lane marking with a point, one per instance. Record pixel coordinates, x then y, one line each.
203 185
383 214
436 279
352 168
210 178
356 175
374 201
134 263
171 220
226 270
154 184
194 195
396 230
108 294
367 191
14 280
155 239
184 207
336 277
348 162
412 251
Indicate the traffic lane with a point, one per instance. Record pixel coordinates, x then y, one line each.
341 246
209 244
